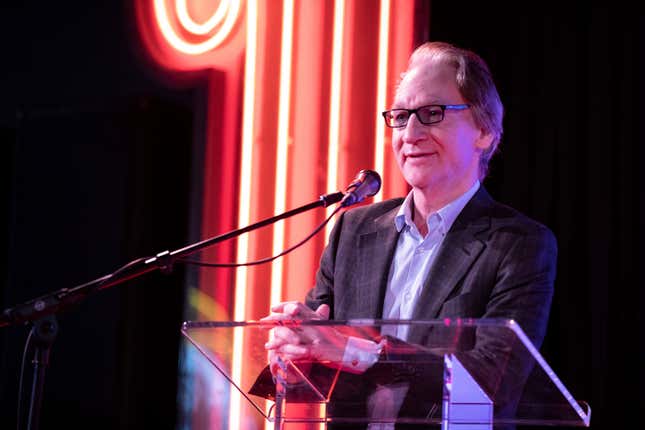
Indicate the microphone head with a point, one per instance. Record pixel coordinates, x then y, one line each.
371 180
366 184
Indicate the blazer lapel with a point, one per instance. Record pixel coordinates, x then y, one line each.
458 251
376 250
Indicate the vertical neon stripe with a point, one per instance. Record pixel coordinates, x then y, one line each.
334 110
211 39
282 147
244 213
282 153
381 90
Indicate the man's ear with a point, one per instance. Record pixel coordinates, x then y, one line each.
485 140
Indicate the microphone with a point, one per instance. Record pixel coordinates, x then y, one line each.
365 184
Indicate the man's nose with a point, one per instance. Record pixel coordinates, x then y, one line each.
414 130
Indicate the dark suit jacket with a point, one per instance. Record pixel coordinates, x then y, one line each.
493 263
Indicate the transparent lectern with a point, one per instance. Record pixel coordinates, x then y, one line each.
459 374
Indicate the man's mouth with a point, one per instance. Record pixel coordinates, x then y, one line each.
419 155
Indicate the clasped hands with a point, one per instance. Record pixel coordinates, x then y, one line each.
303 343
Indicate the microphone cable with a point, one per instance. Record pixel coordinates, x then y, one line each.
263 260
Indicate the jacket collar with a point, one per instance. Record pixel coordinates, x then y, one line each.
462 245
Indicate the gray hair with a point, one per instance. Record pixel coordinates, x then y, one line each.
476 85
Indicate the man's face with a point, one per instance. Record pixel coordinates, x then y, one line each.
443 156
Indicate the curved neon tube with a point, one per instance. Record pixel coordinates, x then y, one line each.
187 22
161 14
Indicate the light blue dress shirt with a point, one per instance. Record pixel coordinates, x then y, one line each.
414 256
411 264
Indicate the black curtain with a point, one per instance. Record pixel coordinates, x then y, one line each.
96 168
569 78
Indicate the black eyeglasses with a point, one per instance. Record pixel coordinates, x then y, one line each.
430 114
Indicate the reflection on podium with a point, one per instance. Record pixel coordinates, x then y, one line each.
475 374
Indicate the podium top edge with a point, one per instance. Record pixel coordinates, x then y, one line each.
365 322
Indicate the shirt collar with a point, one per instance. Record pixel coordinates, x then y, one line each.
447 214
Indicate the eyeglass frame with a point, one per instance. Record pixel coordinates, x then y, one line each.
385 114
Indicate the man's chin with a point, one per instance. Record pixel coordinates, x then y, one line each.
419 180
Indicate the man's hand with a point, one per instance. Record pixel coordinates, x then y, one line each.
303 343
297 311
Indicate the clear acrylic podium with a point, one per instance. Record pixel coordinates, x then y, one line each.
471 374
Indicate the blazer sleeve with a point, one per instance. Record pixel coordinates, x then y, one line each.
523 292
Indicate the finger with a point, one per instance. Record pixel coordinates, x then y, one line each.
277 313
280 306
277 343
276 317
293 352
300 311
287 334
323 312
281 336
297 310
290 310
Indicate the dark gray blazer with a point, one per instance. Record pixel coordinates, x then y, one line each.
493 263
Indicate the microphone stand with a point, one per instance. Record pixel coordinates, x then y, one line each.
40 312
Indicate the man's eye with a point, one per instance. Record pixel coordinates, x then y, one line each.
432 112
400 116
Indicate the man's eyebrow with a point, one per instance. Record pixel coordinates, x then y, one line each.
433 101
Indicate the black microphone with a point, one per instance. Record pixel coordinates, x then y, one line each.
365 184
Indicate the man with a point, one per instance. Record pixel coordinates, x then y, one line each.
447 250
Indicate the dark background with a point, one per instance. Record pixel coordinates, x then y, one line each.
97 170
